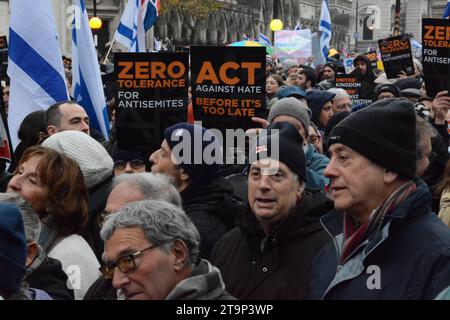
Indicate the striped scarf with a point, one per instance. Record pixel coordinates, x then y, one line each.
354 235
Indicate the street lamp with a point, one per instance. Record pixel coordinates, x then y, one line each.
95 23
275 24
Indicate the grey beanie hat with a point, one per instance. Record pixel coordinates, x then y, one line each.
291 107
288 63
94 161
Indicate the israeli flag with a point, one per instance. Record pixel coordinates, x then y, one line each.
86 80
35 64
325 29
265 40
138 17
446 14
298 27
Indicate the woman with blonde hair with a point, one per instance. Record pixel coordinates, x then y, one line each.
54 186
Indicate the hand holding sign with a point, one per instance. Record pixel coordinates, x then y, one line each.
441 104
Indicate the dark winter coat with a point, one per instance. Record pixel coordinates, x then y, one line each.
410 256
96 204
51 278
278 266
213 210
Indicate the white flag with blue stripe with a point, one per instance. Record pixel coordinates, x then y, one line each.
138 17
265 40
298 27
86 79
35 64
446 14
325 29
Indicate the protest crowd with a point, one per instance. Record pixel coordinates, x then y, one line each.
124 189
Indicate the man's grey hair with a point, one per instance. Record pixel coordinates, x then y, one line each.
153 186
161 222
423 130
31 222
339 92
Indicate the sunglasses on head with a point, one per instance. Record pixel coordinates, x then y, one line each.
135 164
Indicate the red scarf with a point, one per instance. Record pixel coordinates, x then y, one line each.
354 235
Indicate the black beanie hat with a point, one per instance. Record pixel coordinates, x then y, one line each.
290 151
334 120
384 132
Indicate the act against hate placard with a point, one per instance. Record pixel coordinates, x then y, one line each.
436 55
396 56
152 94
228 86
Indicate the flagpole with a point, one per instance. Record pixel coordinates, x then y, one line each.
5 124
110 47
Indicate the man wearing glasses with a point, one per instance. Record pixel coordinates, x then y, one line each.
128 188
129 161
152 253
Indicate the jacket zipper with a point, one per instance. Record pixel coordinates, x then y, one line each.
339 266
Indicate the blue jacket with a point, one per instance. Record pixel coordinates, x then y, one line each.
315 166
409 258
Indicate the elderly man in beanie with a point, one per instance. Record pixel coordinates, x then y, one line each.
386 242
207 199
269 255
297 113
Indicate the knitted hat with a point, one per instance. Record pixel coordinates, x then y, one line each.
197 139
94 161
290 151
411 92
13 249
291 91
316 100
287 64
291 107
408 83
334 120
384 132
387 87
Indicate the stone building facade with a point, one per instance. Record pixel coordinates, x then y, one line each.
237 18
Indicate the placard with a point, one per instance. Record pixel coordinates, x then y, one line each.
228 86
396 56
152 95
353 87
436 55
